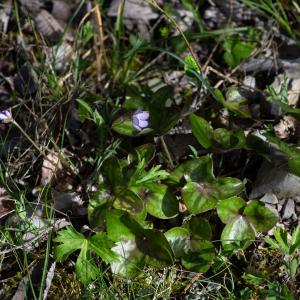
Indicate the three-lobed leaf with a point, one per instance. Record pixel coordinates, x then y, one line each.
70 240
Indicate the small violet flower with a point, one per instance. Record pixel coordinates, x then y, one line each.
5 116
140 119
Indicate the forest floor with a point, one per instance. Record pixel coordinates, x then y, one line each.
149 149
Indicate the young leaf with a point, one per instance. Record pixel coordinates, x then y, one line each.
295 240
202 130
281 237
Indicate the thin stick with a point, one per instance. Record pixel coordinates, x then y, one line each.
167 151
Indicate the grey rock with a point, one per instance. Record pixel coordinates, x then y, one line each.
277 181
269 198
289 209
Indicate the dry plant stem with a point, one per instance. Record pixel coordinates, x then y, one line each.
297 7
172 21
167 151
29 138
101 52
60 155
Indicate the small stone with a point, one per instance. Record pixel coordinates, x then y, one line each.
289 209
269 198
297 199
279 207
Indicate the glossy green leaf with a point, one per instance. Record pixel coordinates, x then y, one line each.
130 260
116 228
178 237
160 201
155 246
130 202
237 234
198 197
199 228
162 120
261 217
227 187
202 130
228 209
199 257
190 65
112 169
200 169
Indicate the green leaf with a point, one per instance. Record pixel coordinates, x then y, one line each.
225 139
294 267
236 51
160 201
129 201
261 217
85 267
228 209
198 197
101 245
162 120
199 257
232 106
200 169
295 243
70 240
84 110
237 234
116 228
272 243
161 96
75 240
178 238
202 130
281 237
199 228
145 152
112 168
131 261
97 207
190 64
227 187
155 246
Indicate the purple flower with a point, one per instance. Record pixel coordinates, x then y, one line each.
5 116
141 119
